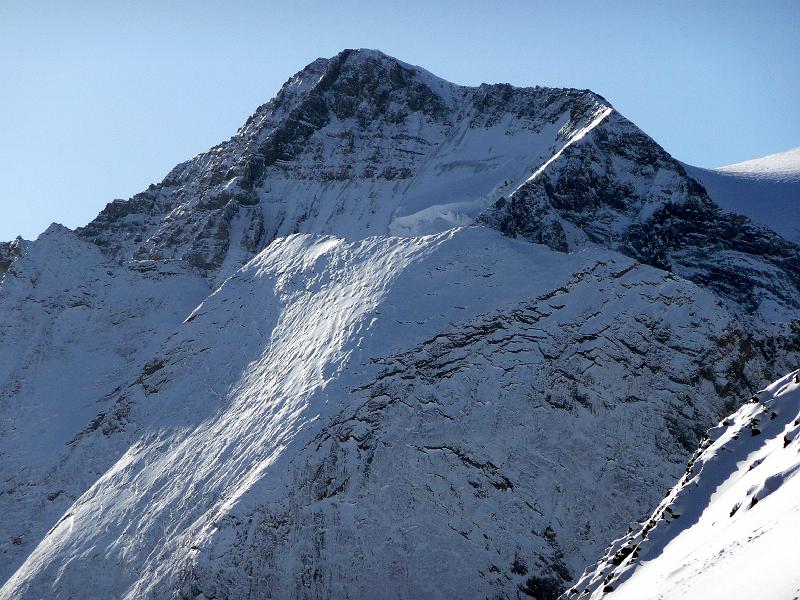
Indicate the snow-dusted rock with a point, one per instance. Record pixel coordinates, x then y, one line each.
9 252
616 187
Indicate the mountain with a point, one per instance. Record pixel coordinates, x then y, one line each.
766 189
396 337
726 529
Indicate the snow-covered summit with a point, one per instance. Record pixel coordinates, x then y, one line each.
728 529
356 145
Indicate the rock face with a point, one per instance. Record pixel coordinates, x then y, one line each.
396 338
616 187
726 530
9 252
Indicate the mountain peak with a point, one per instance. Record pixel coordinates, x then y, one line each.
360 55
364 144
325 71
408 151
56 229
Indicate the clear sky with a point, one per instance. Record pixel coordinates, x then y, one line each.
98 99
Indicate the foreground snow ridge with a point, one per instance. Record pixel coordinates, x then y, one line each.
729 528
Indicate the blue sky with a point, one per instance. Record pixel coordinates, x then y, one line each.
99 99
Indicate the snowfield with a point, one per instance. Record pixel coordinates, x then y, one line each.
781 166
395 338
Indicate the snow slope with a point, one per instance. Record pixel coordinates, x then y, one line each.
74 327
728 529
765 189
430 399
